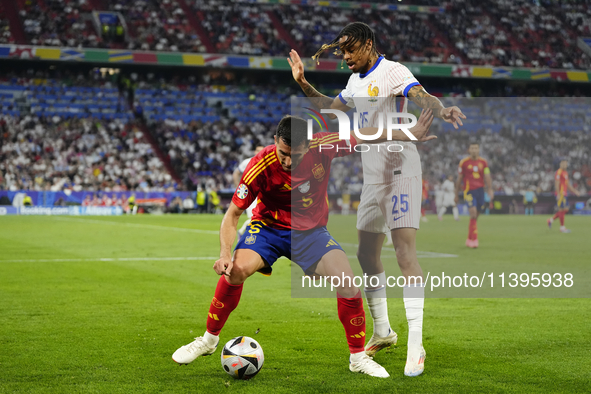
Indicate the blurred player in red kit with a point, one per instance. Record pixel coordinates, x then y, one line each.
561 188
473 171
424 200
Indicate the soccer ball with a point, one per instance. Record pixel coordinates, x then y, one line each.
242 358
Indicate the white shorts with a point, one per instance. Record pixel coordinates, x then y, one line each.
448 201
388 207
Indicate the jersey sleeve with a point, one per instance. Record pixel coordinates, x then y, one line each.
330 145
485 170
346 96
243 165
400 80
249 187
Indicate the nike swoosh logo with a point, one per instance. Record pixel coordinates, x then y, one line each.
395 219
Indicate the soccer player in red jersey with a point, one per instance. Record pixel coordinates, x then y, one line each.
424 199
290 181
475 174
561 188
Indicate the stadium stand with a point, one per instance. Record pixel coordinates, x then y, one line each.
58 23
520 33
5 34
205 130
41 153
158 26
237 28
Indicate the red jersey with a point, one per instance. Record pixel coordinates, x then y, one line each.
562 178
300 194
473 172
425 189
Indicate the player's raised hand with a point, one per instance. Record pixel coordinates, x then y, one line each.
421 129
223 266
452 115
297 66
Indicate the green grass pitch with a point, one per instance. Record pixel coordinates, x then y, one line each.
98 305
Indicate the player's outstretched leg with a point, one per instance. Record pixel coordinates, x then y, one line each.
562 228
414 298
351 312
472 241
556 216
441 213
368 254
414 301
456 213
226 298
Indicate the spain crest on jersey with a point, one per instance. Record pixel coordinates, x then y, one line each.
318 171
250 240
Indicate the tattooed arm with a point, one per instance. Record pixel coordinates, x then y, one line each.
418 95
318 99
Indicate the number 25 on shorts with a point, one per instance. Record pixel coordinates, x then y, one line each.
403 204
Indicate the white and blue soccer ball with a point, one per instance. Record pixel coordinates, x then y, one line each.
242 357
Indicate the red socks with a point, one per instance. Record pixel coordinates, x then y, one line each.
472 230
352 316
559 215
224 302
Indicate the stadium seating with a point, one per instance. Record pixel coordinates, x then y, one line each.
240 28
5 34
58 23
206 130
158 26
520 33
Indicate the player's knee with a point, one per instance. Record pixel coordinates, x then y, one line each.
404 255
367 257
238 274
347 291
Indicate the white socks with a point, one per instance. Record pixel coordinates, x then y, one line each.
212 340
414 302
456 213
378 304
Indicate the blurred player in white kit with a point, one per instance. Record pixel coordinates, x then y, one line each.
448 198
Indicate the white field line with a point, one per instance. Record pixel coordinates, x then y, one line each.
420 254
111 259
145 226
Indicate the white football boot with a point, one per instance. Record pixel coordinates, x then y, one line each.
377 343
415 361
201 346
362 363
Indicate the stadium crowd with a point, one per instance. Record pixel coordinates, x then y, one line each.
158 26
39 153
59 137
519 33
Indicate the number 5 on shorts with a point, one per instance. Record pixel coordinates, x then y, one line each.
403 203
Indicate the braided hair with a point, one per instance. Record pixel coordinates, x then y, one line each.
355 32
